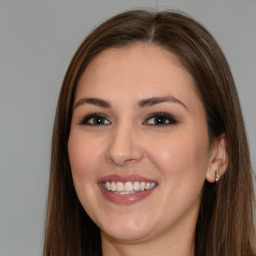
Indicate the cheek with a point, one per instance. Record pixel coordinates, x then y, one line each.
84 160
83 155
181 156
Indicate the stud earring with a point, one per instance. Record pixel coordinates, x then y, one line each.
217 176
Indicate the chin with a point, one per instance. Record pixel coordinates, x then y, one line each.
128 236
129 231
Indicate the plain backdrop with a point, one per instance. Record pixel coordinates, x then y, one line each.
37 40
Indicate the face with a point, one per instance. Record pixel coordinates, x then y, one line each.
139 146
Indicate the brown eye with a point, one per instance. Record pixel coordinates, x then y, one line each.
160 119
94 119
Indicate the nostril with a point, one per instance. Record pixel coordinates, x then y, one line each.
123 159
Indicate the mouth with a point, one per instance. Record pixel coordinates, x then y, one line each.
126 189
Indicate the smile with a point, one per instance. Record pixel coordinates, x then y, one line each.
128 187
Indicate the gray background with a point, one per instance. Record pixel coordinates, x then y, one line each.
37 41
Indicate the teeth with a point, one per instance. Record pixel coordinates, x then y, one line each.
107 186
147 186
128 187
113 186
119 186
136 186
142 186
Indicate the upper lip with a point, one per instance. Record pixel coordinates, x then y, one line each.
124 178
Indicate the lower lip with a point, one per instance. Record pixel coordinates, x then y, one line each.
125 198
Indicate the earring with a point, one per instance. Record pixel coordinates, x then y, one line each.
217 176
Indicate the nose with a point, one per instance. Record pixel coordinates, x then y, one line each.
124 146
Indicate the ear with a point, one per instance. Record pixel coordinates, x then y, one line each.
218 158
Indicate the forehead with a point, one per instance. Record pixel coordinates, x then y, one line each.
135 69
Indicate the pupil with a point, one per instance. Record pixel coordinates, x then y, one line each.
98 120
159 120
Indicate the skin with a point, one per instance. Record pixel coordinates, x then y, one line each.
176 155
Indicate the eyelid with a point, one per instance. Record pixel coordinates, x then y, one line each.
84 120
171 118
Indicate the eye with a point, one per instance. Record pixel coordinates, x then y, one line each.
95 120
160 119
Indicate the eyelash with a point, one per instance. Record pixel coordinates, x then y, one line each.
85 120
159 116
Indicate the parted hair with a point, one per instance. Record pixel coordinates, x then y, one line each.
225 220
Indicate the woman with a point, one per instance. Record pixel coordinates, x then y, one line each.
149 151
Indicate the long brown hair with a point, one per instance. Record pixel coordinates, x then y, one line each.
225 221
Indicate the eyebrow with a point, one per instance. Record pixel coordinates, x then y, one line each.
93 101
142 103
156 100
